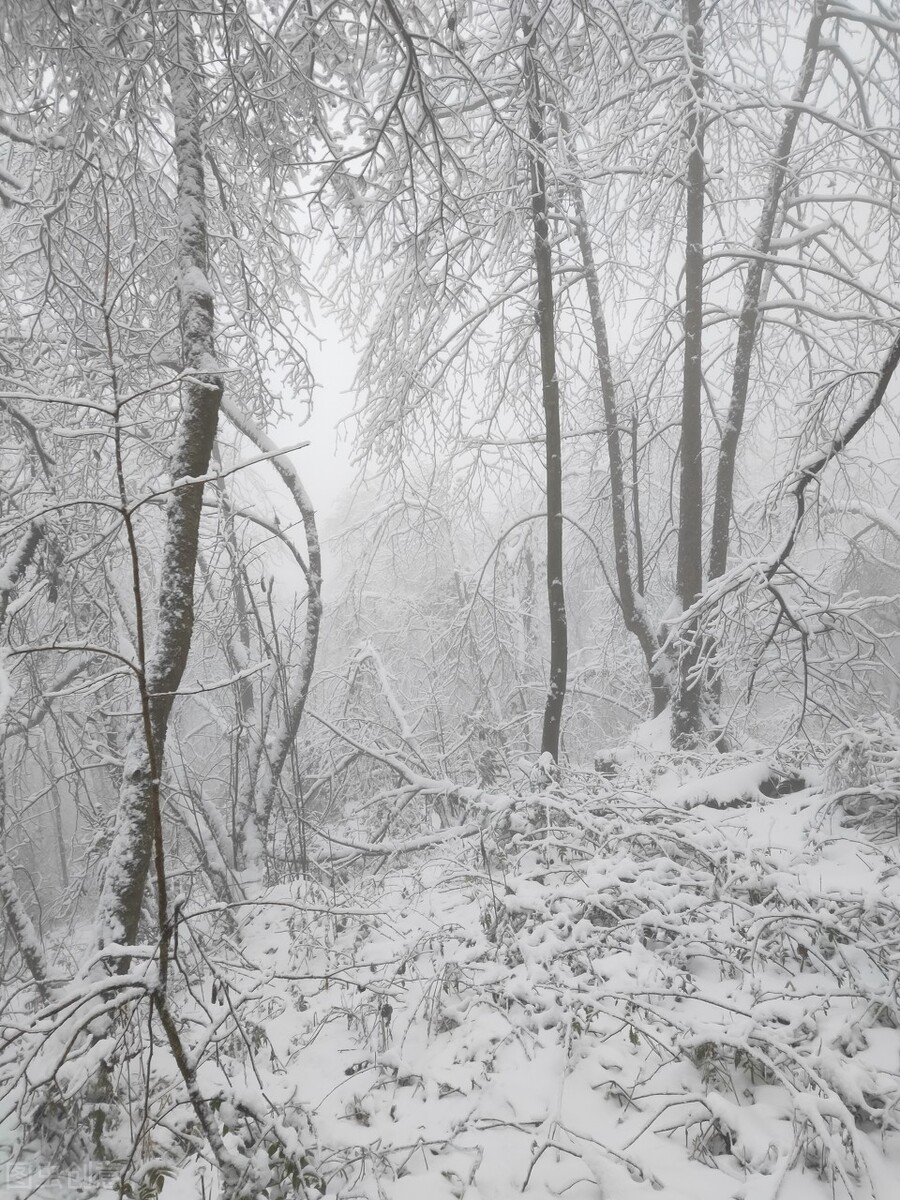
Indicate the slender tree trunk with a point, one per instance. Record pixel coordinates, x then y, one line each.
245 744
256 808
630 597
244 687
758 271
138 821
543 261
686 711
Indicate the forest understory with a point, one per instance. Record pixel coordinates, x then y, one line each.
659 979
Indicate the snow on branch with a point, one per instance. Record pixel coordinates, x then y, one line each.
813 467
424 783
12 570
213 476
270 450
764 569
385 849
368 653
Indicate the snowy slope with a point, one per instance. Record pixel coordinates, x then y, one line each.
611 993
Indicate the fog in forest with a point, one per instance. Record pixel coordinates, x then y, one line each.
449 599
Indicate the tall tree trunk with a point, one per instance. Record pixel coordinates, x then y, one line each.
138 821
686 711
758 271
630 597
543 261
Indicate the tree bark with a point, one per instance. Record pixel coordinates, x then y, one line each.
686 711
138 821
543 261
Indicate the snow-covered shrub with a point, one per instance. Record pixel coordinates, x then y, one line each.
863 772
607 987
593 986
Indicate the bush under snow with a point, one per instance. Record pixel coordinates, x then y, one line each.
620 988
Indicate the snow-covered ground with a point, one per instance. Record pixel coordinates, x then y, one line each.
641 985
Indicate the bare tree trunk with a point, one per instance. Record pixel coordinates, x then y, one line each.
256 809
543 262
138 823
630 597
686 711
748 321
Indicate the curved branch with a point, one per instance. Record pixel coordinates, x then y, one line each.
749 319
274 753
814 467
